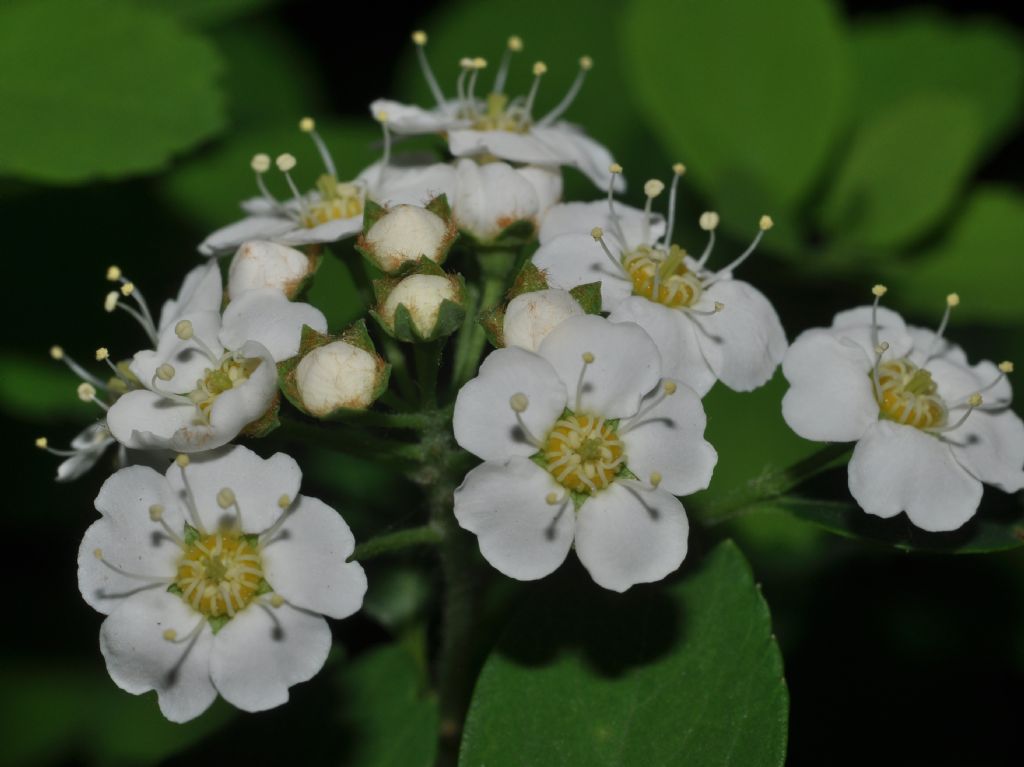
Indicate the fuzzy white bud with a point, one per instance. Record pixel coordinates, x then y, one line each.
531 316
337 375
405 233
422 295
261 264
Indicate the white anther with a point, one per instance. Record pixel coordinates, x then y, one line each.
183 330
182 460
285 162
765 223
654 187
110 301
708 221
165 372
56 352
102 353
539 68
515 43
260 162
156 512
86 392
113 273
1006 366
307 125
225 497
586 63
519 402
879 290
952 300
42 443
419 37
127 289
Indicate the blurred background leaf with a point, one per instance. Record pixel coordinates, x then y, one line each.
208 13
40 390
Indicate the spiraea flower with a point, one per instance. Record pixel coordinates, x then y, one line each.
497 125
707 325
584 443
930 427
215 578
210 375
260 264
394 239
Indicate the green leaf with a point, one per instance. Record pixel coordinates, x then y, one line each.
36 390
898 57
391 720
979 259
904 170
992 529
334 291
750 94
684 674
209 13
100 89
397 595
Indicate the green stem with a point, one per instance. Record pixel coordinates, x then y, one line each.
770 486
425 535
428 361
465 334
414 421
351 441
495 266
399 367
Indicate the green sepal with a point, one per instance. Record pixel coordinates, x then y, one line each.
439 206
266 423
530 279
450 315
217 622
355 334
264 587
493 322
515 235
588 296
175 589
578 499
191 534
372 213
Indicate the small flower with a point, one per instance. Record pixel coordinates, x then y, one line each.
583 442
210 376
707 325
261 264
930 428
215 578
87 448
530 317
500 126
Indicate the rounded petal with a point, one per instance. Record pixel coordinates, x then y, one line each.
334 230
546 182
305 561
831 398
630 535
927 344
409 119
484 422
236 408
261 652
576 259
505 505
745 342
898 468
491 197
258 484
267 317
185 356
408 185
582 217
230 237
675 335
667 438
856 325
140 659
990 445
128 539
201 291
142 420
262 264
589 157
530 317
956 382
625 367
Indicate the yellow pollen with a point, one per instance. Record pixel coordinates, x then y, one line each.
879 290
284 502
615 168
654 187
539 68
679 169
670 387
551 498
98 553
708 221
515 43
277 600
586 63
338 200
156 512
419 37
165 372
42 443
597 233
975 400
56 352
170 635
588 357
182 460
225 498
110 301
86 392
219 574
583 453
479 63
113 273
285 162
260 163
1006 366
908 395
102 353
655 479
127 289
307 125
519 402
765 223
952 300
230 373
183 330
663 277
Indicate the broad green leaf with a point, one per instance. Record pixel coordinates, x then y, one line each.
97 89
903 171
979 258
209 13
37 390
922 52
390 717
997 527
209 186
750 95
685 673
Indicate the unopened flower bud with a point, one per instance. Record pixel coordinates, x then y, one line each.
337 375
261 264
404 234
531 316
422 295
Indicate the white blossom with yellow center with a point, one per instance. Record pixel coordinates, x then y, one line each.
707 325
215 578
584 443
929 427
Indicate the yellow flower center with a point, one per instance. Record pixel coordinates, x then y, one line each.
584 453
337 200
220 574
216 381
499 116
663 277
907 394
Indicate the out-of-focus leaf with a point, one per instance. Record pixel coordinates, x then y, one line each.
100 89
334 292
209 13
397 594
392 721
921 52
751 95
38 390
980 259
209 186
902 173
685 674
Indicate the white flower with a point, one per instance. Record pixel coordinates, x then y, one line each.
583 442
210 376
215 578
498 126
338 375
707 325
930 428
261 264
530 317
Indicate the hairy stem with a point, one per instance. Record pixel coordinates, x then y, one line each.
424 535
495 266
350 440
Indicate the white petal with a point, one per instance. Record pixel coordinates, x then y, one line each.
626 536
582 217
505 506
675 335
236 408
408 185
305 562
201 291
898 468
128 539
484 422
855 324
530 317
230 237
262 264
927 343
626 364
956 382
669 440
261 652
258 484
267 317
990 445
258 206
576 259
586 155
409 119
334 230
491 197
186 357
546 182
744 342
142 420
78 465
140 659
831 397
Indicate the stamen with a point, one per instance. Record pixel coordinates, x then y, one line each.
113 273
57 353
156 514
655 478
763 225
419 39
539 69
668 388
652 189
519 403
479 65
709 223
185 332
87 393
128 288
98 553
112 301
973 402
385 160
172 636
598 234
466 66
588 360
103 355
515 45
677 173
880 350
260 164
44 444
719 306
182 460
1005 368
586 64
226 499
285 163
615 170
952 301
308 125
877 291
